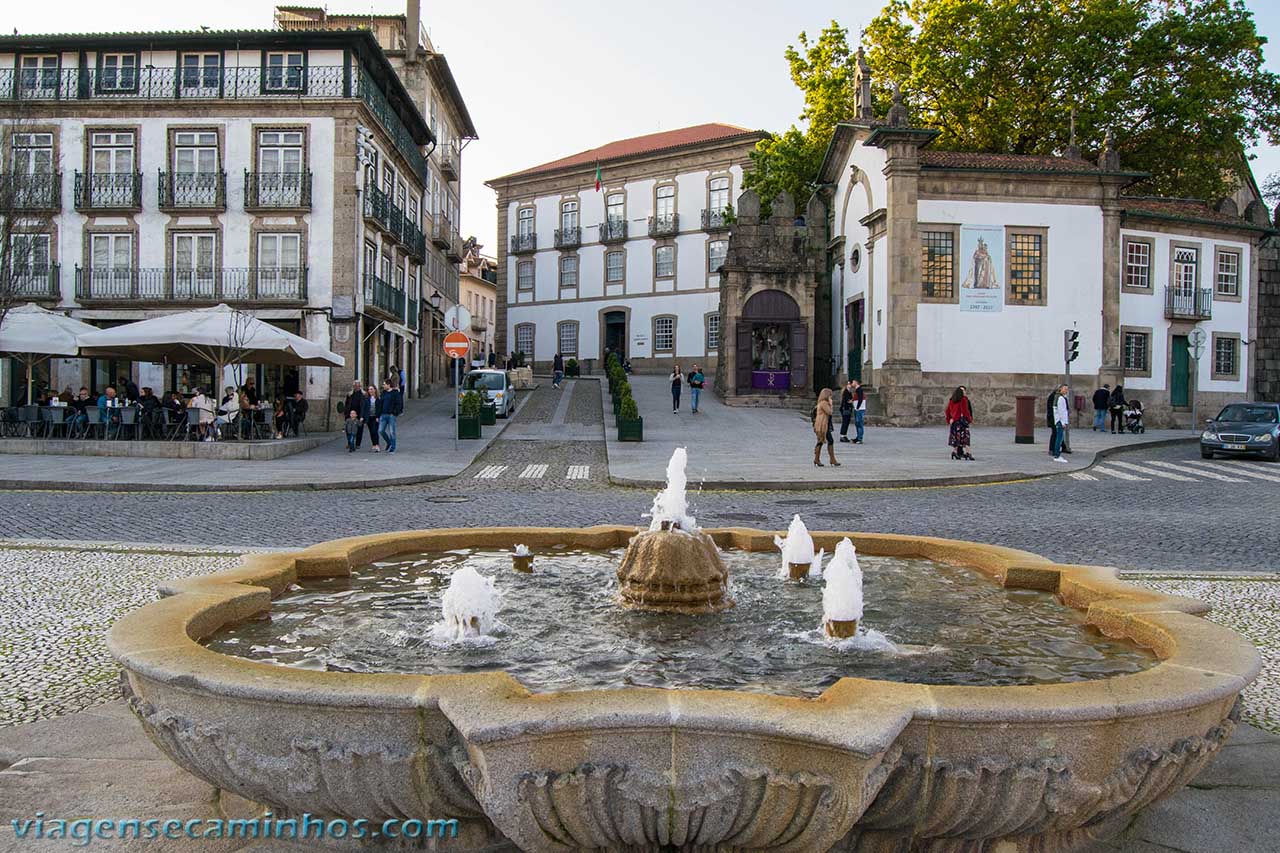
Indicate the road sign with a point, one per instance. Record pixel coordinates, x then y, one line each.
456 345
457 318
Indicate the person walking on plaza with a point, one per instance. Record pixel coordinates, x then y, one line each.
1101 402
846 410
677 379
959 416
372 410
392 408
557 370
822 429
696 382
355 403
859 410
353 427
1061 417
1117 405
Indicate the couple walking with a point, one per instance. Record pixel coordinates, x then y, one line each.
365 408
696 382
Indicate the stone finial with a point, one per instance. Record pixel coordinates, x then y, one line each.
1255 212
898 115
749 207
784 207
862 88
1109 159
1227 206
1073 150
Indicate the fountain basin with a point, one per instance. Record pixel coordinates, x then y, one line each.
865 766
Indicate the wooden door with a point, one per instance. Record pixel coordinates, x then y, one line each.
742 360
1180 377
799 357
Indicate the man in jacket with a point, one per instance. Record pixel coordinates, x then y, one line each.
1101 401
696 383
392 407
355 403
1061 417
846 410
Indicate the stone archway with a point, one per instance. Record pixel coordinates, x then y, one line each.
772 345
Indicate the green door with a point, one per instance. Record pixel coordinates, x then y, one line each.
1180 380
853 322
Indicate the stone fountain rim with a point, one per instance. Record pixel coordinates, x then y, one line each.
1200 662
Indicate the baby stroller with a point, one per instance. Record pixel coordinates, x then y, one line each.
1133 417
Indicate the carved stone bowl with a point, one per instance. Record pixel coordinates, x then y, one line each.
866 766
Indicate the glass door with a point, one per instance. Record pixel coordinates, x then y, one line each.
193 273
280 169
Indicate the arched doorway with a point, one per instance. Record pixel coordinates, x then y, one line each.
772 345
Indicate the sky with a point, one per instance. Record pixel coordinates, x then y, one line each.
547 78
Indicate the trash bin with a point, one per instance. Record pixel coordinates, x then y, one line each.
1024 430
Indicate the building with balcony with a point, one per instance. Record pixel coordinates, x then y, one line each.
479 295
283 172
425 74
632 268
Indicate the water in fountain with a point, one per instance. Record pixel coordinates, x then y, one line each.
797 550
842 593
469 606
670 506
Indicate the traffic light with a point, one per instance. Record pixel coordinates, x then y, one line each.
1070 345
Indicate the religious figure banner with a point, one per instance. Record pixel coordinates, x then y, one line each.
981 267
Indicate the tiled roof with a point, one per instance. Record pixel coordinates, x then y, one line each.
1180 208
647 144
1004 162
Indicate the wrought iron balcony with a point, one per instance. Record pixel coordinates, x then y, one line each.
376 205
440 231
277 190
450 161
613 231
716 220
174 284
454 251
382 296
36 282
664 226
1194 304
109 191
414 240
193 190
523 244
411 313
396 222
568 238
31 192
479 323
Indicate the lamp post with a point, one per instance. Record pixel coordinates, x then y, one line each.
435 306
1196 339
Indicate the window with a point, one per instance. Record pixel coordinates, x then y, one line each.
1225 361
718 195
1137 264
193 263
111 265
280 265
39 77
938 264
194 181
1186 263
524 275
1026 267
713 332
568 337
1137 352
664 334
614 267
524 222
1228 274
283 72
664 261
569 271
280 175
615 208
111 159
666 203
29 259
118 72
568 215
524 339
716 252
32 161
201 74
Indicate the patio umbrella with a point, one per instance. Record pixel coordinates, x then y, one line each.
219 336
31 334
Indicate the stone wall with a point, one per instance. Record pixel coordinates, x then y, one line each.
1266 345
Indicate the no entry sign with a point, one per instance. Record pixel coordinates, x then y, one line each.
456 345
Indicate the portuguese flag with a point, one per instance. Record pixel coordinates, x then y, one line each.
597 176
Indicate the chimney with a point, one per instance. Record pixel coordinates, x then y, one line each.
412 23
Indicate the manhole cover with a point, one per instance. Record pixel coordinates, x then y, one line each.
796 502
449 499
740 516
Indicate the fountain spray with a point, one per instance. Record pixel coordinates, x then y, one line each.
842 594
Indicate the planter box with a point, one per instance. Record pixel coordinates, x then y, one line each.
631 430
488 415
468 427
617 405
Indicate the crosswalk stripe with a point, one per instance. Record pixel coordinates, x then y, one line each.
491 472
1155 472
533 472
1080 475
1210 474
1237 468
579 472
1119 475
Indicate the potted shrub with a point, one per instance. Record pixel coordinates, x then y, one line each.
571 368
630 424
624 391
469 415
488 413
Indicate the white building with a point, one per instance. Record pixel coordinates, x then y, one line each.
630 267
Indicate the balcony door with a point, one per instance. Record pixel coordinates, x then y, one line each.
280 168
113 161
32 162
201 75
195 169
1185 275
193 268
29 259
111 273
279 266
39 78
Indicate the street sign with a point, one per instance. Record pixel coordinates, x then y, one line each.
1196 339
457 318
456 345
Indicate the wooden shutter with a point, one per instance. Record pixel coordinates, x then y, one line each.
742 361
799 357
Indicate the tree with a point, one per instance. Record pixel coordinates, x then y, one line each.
1270 190
30 196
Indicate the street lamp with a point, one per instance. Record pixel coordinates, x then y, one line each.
435 300
435 306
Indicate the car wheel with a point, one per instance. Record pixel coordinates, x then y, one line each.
1275 454
1206 454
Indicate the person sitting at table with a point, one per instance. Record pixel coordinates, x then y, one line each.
174 404
279 416
130 389
152 417
296 410
204 406
109 409
250 391
79 418
229 409
66 396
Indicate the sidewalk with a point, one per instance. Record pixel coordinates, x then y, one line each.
424 451
747 447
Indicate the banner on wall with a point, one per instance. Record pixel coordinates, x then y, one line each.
981 261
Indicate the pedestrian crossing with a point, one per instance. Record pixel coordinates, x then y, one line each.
534 471
1187 471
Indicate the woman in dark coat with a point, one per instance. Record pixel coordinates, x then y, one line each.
959 416
1117 404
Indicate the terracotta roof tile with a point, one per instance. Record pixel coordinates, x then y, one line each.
1182 208
1004 162
647 144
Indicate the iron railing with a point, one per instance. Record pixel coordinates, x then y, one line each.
1192 304
32 192
174 284
665 225
440 231
414 240
110 190
568 238
449 285
613 231
36 282
200 190
479 323
454 251
376 204
450 161
277 190
716 220
411 312
381 295
524 243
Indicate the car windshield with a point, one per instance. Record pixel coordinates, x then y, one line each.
1249 414
487 381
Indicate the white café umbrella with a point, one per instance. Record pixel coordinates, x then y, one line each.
30 334
219 336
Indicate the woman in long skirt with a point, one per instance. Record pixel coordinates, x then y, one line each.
959 416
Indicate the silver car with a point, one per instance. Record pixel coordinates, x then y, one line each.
1243 428
495 389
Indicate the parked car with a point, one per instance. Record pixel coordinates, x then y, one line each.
1243 428
495 389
